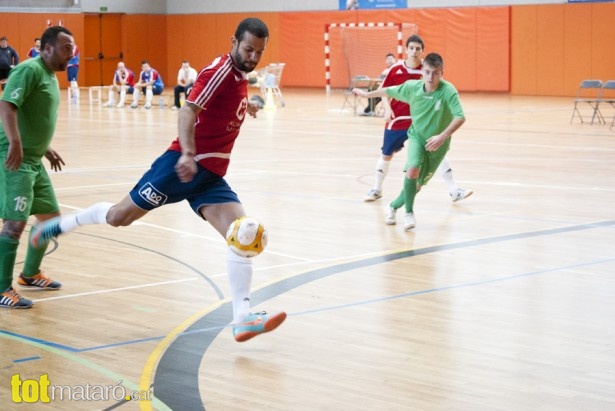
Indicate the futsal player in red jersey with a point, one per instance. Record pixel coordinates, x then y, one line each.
194 166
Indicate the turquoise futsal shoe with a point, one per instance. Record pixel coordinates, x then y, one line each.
257 323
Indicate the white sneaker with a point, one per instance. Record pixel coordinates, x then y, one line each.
409 221
460 194
373 195
133 105
108 104
147 106
389 215
120 105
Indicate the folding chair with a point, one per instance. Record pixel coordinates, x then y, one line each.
360 81
270 85
590 92
608 97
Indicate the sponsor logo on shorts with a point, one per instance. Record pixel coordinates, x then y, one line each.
149 193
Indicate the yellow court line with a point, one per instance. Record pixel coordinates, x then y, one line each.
152 360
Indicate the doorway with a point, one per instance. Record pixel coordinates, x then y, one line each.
103 47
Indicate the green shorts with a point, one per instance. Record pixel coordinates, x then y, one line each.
426 161
25 192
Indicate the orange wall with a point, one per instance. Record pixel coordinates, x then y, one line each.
529 50
22 28
554 47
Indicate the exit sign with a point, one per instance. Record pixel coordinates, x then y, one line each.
103 8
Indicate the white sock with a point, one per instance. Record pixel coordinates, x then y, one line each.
382 169
96 214
135 97
445 170
240 280
111 97
122 97
149 96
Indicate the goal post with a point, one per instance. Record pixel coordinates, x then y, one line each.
353 49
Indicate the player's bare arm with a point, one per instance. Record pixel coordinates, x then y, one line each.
379 92
186 166
8 115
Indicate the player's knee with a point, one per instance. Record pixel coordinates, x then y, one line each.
412 173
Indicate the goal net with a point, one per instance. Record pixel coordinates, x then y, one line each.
360 49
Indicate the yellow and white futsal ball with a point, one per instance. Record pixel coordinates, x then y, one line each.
247 237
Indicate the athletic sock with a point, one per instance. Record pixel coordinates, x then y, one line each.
95 214
240 280
34 258
8 254
445 170
149 96
410 190
382 169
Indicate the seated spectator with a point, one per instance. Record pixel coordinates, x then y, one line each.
185 80
149 83
123 82
370 110
36 50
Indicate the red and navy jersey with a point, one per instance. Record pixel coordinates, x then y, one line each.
221 92
151 75
399 74
127 76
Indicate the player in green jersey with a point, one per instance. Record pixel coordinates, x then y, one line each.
436 114
28 112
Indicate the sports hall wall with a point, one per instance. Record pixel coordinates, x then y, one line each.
527 49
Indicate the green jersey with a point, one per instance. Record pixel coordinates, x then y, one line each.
33 89
431 112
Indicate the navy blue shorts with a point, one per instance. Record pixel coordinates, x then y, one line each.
160 185
156 90
72 72
393 141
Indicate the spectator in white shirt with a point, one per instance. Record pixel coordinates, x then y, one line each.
185 80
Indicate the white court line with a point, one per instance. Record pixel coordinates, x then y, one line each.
134 287
112 290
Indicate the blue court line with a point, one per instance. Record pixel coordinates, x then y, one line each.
27 359
453 287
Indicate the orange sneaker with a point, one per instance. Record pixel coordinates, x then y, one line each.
38 281
11 299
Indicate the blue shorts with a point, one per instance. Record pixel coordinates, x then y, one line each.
393 141
160 185
72 72
156 90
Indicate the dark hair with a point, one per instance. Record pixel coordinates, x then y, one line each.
254 26
390 55
415 38
434 60
37 38
50 36
144 62
3 38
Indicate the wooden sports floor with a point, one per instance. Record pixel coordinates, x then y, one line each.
503 301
